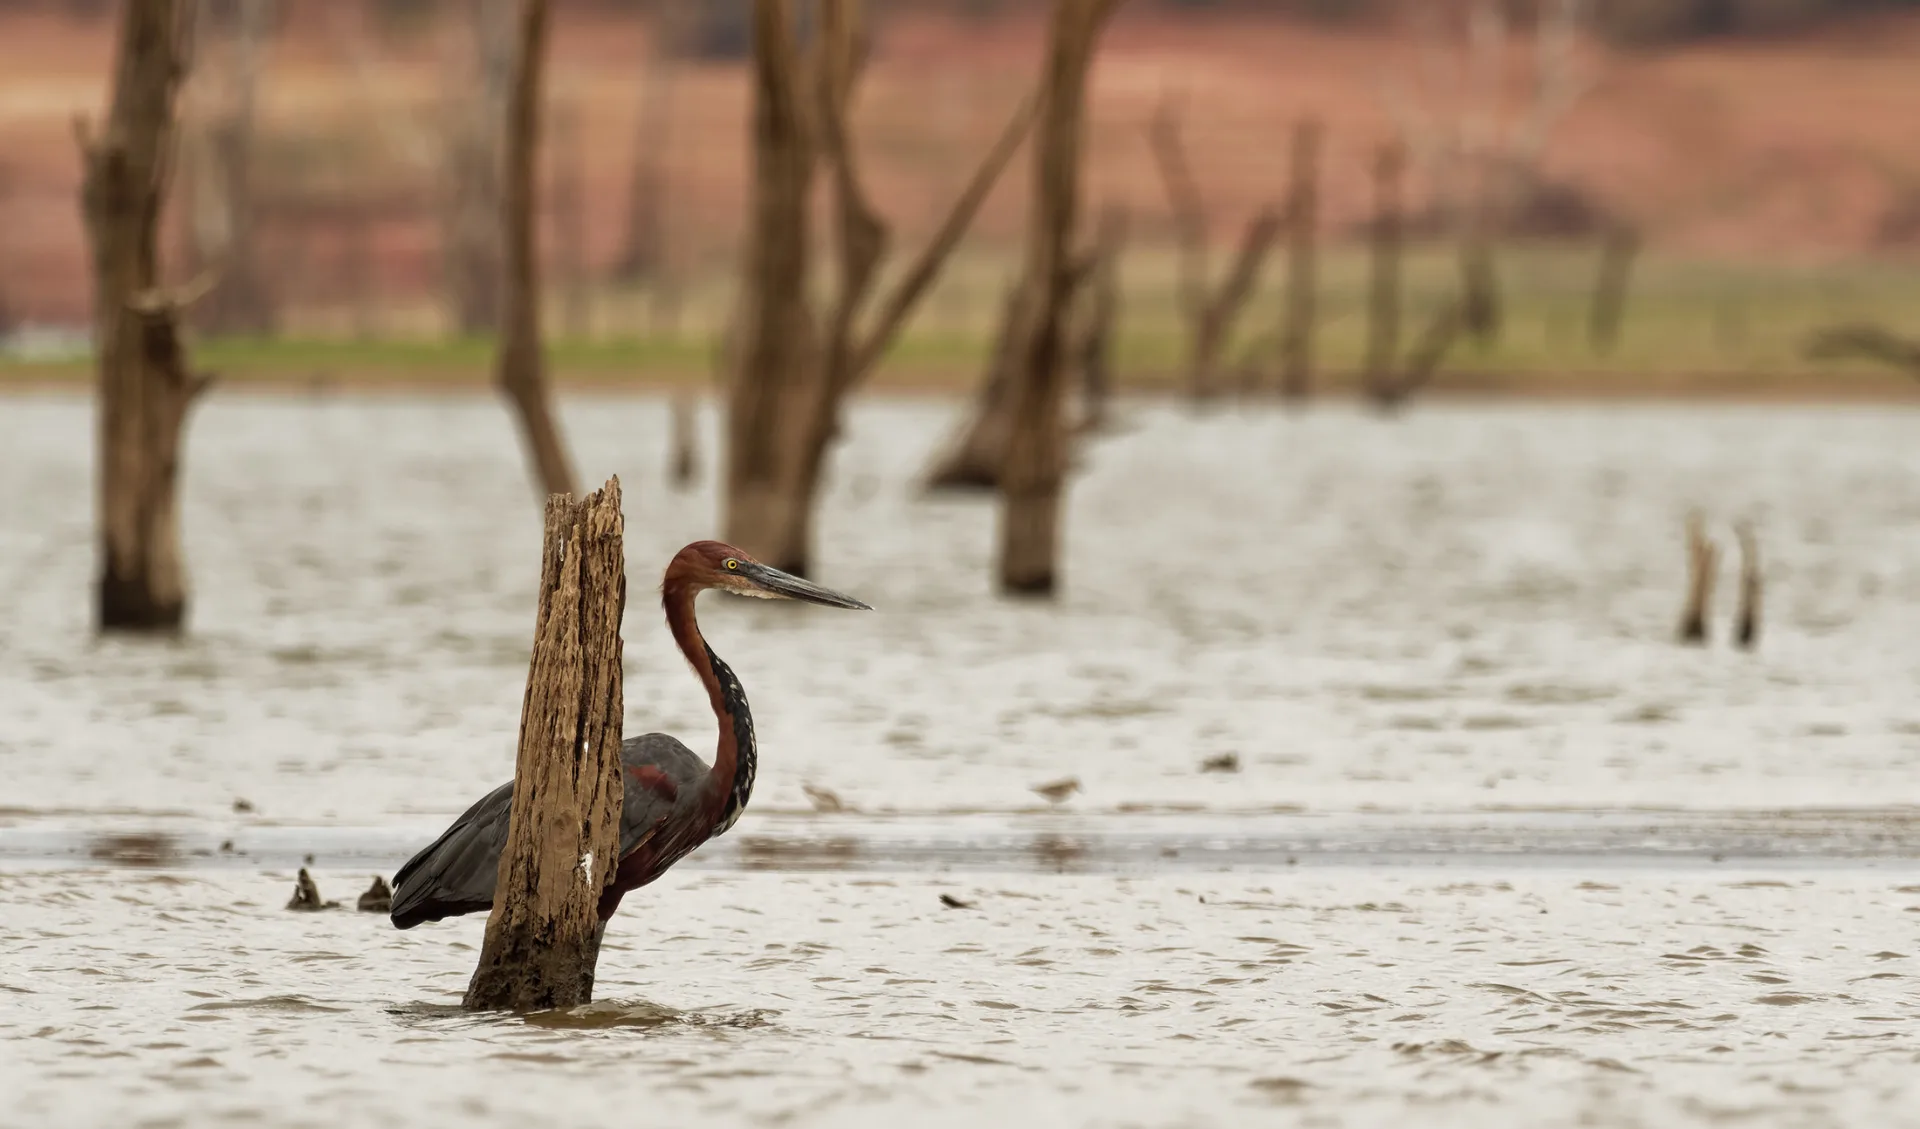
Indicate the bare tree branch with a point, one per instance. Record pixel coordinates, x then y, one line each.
893 312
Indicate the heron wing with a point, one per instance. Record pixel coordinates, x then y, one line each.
457 873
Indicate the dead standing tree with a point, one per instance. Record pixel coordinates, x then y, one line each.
793 370
1483 168
520 364
1386 382
1210 312
1035 471
563 834
145 388
1303 223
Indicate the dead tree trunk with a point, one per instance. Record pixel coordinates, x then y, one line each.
1211 313
1034 474
1703 560
1303 223
145 388
1383 304
563 835
795 371
1094 346
974 458
520 364
1746 630
1610 289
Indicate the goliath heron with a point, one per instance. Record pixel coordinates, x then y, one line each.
673 801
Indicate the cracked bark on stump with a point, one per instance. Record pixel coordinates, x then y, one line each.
145 388
563 833
1035 469
519 366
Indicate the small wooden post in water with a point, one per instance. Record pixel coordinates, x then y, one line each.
1746 628
543 937
1702 561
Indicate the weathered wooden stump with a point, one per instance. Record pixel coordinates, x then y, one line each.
543 937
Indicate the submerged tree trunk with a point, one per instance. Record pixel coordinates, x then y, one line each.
1036 464
563 835
144 386
520 364
795 371
775 343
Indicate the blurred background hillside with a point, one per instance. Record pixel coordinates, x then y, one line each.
1758 151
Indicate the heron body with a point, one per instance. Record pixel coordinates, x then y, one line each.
672 801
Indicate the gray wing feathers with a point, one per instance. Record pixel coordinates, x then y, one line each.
457 874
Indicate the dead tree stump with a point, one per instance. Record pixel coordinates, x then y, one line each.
543 936
145 388
1746 627
1703 560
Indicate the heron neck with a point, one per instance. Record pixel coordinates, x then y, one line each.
730 783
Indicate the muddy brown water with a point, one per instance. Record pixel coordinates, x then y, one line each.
1497 852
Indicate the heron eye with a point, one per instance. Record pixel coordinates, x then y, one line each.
732 564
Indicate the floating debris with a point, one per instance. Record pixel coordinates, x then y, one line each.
242 805
822 799
952 902
306 895
377 899
1057 791
1225 762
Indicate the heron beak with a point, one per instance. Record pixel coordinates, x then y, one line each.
787 586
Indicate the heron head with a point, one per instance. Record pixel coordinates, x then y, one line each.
715 564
